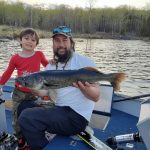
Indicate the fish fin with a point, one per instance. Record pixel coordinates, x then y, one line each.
118 78
90 69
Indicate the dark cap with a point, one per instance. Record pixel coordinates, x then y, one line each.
63 30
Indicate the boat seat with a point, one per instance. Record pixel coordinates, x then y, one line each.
143 124
8 89
3 126
7 92
102 111
6 96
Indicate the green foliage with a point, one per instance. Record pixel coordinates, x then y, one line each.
122 20
145 31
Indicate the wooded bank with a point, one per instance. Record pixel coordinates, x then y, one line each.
123 21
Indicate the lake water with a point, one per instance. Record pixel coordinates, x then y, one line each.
129 56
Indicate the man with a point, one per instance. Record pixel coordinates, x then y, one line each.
73 105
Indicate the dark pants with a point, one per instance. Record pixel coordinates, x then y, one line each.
58 120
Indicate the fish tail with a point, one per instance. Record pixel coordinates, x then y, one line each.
117 79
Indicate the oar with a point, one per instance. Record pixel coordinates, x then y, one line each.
131 98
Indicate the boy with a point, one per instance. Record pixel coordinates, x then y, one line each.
25 62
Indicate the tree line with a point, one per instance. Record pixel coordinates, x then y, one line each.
122 20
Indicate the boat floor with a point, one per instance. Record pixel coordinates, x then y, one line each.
120 123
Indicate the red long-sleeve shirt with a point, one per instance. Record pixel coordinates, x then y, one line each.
23 66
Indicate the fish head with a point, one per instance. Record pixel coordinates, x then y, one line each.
30 81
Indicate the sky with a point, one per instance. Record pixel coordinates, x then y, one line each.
96 3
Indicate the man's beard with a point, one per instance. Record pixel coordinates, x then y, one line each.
63 57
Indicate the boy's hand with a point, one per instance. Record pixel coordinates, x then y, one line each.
52 61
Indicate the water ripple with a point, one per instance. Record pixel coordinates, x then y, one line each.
129 56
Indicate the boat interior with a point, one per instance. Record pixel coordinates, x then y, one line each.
109 120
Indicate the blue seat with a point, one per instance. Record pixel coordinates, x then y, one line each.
102 110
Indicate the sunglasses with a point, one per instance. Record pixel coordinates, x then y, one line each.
62 29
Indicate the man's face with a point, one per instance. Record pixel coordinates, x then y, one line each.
62 47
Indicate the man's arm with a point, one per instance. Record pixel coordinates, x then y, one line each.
91 91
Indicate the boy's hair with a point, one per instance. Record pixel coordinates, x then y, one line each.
31 32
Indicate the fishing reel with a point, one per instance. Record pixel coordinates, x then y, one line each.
7 141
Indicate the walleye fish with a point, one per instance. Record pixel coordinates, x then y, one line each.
54 79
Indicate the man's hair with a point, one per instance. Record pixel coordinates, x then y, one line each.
31 32
72 43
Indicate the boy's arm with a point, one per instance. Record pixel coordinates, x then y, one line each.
8 72
44 60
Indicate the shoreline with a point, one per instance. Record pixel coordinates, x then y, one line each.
92 36
10 33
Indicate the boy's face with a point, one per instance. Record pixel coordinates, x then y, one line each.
28 42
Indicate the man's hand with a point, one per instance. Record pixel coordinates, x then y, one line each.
91 91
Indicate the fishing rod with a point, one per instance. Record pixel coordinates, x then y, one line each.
131 98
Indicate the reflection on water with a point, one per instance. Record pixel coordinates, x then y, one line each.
129 56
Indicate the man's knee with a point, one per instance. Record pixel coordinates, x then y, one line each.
24 105
24 117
